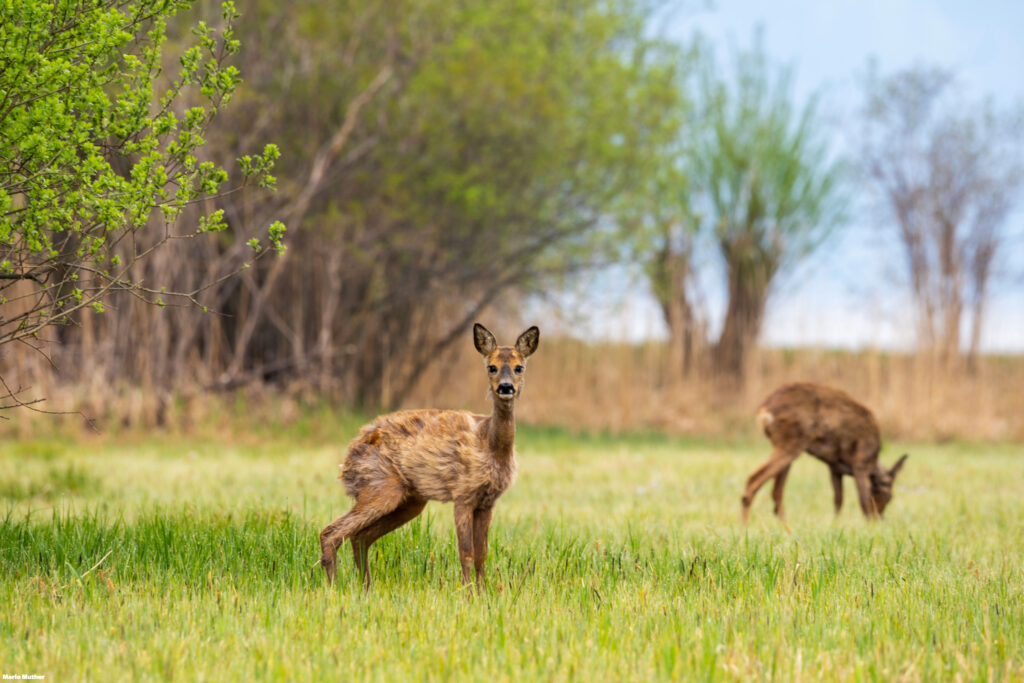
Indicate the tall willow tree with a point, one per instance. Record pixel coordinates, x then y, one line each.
767 187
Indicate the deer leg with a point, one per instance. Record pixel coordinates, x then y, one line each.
867 503
364 538
777 488
481 524
778 461
837 489
369 507
464 530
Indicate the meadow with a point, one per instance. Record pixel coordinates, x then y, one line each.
134 557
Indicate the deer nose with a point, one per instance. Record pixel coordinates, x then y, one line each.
506 389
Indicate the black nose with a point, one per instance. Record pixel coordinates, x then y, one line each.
506 389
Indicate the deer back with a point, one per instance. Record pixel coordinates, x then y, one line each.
823 421
435 454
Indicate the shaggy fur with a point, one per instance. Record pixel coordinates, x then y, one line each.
402 460
832 427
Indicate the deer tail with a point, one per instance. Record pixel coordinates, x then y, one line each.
764 419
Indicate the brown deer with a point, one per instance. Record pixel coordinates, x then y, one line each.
401 460
832 427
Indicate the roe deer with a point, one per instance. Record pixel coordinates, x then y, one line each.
401 460
832 427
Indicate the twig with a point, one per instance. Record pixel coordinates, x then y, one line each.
79 577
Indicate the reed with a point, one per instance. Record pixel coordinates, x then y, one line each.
595 387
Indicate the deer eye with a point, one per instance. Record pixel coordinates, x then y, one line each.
492 369
519 369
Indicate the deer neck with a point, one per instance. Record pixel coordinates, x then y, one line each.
501 430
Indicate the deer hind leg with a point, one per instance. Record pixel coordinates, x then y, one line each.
408 510
777 489
780 459
837 489
371 505
481 525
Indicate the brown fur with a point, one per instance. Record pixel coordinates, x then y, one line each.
832 427
402 460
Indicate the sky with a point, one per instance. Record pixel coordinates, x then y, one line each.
848 296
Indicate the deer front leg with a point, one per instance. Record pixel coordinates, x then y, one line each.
867 503
837 489
481 524
464 531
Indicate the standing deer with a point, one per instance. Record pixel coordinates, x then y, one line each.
832 427
401 460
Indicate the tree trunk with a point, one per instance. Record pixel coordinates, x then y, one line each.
670 273
678 313
748 294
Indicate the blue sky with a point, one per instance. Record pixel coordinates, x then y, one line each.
850 295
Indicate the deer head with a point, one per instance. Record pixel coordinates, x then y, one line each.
881 484
506 365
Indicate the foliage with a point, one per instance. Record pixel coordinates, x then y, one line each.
98 149
444 158
611 559
655 214
769 189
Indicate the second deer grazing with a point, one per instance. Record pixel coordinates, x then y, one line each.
402 460
832 427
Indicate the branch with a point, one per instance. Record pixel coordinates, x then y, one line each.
22 276
330 152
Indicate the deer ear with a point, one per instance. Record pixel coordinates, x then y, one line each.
898 466
527 342
483 339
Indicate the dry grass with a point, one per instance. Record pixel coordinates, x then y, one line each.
622 388
610 388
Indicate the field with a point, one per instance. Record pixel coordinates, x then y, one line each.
612 558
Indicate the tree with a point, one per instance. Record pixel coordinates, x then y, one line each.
661 234
945 174
768 190
671 269
445 157
656 217
481 170
99 153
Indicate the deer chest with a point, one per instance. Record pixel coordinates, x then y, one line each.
500 480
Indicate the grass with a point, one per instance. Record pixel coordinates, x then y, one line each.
611 559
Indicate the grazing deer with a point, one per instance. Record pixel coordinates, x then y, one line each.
832 427
401 460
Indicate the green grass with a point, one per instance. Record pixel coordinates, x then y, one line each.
611 559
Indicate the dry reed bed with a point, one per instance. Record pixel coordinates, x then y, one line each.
621 388
606 387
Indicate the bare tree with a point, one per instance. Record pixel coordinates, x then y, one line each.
945 174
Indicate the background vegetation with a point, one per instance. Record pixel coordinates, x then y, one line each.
443 162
